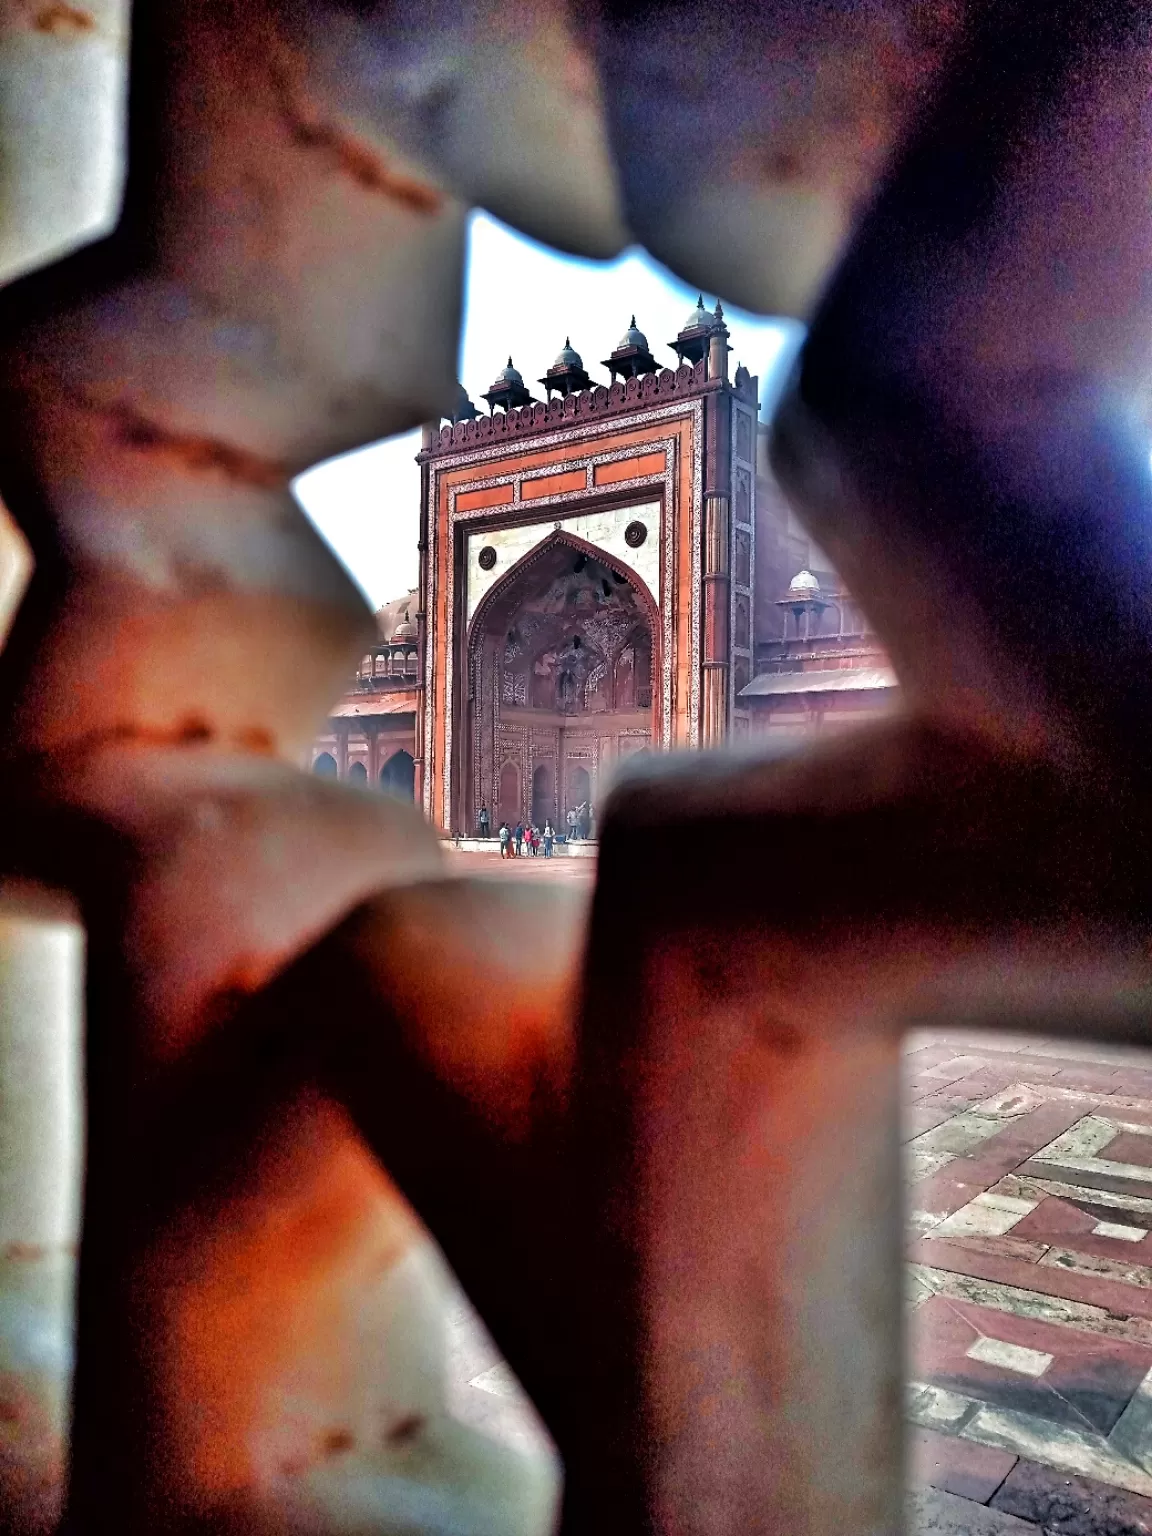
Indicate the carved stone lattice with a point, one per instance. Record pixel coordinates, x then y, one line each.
632 1151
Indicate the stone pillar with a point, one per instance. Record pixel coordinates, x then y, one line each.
427 437
716 650
41 1132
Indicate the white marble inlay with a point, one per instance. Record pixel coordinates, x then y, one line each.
1084 1139
1140 1172
959 1134
603 529
1012 1357
1118 1229
1016 1099
920 1165
935 1407
989 1215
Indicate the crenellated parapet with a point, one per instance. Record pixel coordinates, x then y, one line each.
586 404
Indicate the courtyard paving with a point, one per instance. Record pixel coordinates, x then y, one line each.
1029 1231
1029 1282
462 861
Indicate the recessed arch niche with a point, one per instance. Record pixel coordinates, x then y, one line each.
562 662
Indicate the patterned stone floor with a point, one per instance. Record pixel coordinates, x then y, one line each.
1029 1286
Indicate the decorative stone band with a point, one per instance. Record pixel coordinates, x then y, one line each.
620 397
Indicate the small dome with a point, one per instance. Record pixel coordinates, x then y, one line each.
804 581
699 319
632 338
510 375
568 357
405 630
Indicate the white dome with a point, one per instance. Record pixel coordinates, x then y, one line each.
804 581
633 337
699 319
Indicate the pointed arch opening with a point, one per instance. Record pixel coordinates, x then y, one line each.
398 776
562 654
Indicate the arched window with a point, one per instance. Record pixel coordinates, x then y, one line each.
543 794
357 774
325 766
579 786
398 776
508 808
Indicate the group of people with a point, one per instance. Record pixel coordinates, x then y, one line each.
525 838
515 841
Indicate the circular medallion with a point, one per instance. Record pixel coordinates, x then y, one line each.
487 558
635 534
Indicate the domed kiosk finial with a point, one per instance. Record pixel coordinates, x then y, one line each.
566 374
631 355
691 344
803 595
507 391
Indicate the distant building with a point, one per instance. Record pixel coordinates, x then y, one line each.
371 737
606 572
818 664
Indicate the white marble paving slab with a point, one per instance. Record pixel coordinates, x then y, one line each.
988 1214
921 1165
1010 1357
1135 1171
959 1134
1118 1230
1016 1099
1079 1141
936 1407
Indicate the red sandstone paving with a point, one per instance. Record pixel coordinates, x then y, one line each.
1065 1225
957 1466
973 1172
1088 1383
461 862
1091 1378
1048 1279
1129 1147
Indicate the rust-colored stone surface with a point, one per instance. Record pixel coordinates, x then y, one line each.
591 1136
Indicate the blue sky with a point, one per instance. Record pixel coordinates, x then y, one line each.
521 298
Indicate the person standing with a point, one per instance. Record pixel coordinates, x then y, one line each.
534 840
483 821
572 825
505 836
519 836
549 838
